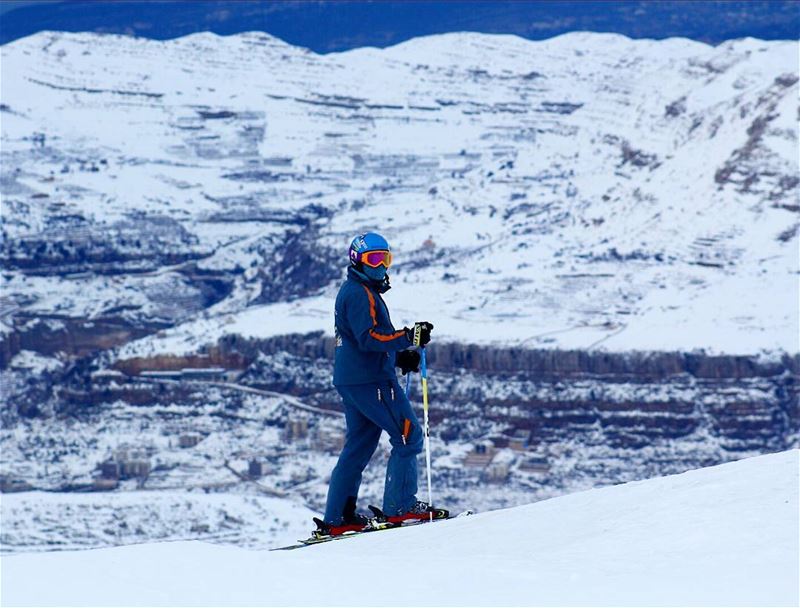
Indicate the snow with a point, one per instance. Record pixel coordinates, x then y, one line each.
722 536
300 316
34 362
84 520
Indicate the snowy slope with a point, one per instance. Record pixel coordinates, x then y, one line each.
726 535
588 191
86 520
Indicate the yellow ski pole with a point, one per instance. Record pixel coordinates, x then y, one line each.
424 374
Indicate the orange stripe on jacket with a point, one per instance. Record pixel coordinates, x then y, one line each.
373 313
386 338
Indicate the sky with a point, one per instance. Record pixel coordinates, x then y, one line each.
329 26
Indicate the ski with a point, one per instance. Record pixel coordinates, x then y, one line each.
417 522
378 526
437 516
319 539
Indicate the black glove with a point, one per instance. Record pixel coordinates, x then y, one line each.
407 361
420 334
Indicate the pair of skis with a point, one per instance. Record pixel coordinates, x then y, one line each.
376 524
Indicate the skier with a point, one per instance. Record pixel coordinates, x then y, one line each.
368 348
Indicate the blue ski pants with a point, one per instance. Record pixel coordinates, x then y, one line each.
370 409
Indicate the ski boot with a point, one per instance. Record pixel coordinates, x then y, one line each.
355 523
420 512
352 523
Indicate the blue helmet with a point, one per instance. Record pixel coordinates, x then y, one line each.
370 255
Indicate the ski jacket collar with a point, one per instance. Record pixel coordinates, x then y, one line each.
379 286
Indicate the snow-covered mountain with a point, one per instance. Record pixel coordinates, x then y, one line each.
597 227
722 536
588 191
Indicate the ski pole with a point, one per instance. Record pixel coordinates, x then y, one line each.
408 384
424 370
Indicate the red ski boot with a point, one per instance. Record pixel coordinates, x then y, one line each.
355 523
420 512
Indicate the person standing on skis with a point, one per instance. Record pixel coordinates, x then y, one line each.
368 348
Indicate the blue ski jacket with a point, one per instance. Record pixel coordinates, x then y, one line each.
366 340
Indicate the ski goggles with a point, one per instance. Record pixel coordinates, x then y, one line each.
373 259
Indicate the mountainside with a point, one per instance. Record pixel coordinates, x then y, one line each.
722 536
585 191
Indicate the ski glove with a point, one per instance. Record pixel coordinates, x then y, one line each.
407 361
420 334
